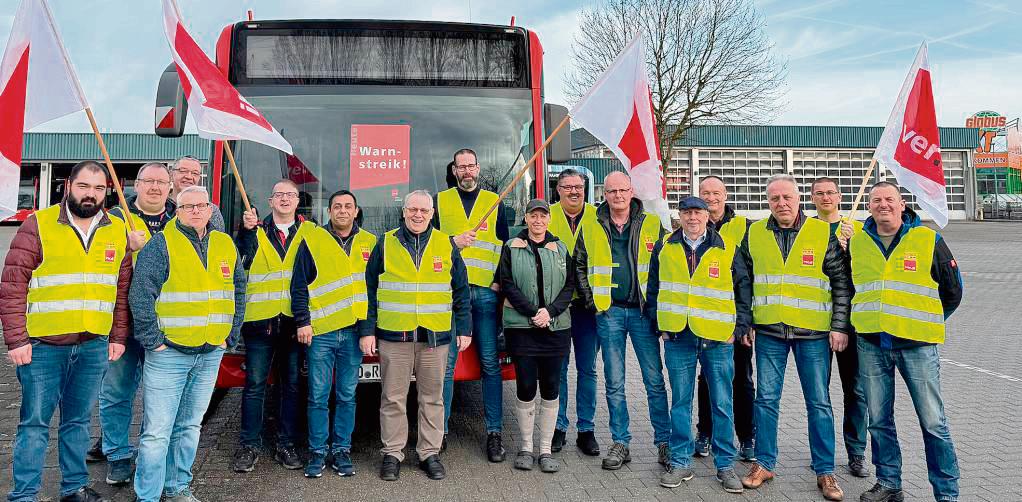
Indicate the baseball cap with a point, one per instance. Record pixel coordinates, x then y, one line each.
692 203
537 204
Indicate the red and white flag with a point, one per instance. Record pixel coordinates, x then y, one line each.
37 84
618 111
220 112
910 145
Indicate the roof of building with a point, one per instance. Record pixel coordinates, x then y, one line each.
126 147
715 136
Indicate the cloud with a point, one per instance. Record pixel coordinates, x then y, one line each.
812 41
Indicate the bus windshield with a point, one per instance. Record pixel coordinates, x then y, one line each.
381 143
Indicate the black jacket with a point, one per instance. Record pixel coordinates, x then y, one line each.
248 245
585 292
305 272
739 274
835 266
462 301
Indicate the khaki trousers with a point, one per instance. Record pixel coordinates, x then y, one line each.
398 362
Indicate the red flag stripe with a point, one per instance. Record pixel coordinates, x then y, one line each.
12 110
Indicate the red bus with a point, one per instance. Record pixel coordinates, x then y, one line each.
357 96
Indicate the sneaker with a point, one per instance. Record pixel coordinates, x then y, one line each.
433 468
756 477
494 449
95 454
857 465
828 486
185 496
616 457
314 467
118 472
288 457
747 452
729 480
84 494
342 464
673 476
390 469
663 454
702 446
557 443
244 459
587 444
881 493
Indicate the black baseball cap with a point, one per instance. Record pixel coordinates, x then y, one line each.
535 204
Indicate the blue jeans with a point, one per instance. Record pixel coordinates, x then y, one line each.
920 368
176 388
484 339
613 327
583 337
718 364
812 361
116 399
262 353
65 376
334 360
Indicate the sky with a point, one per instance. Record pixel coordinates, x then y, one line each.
846 59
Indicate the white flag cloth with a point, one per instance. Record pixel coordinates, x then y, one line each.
37 84
618 111
910 145
220 112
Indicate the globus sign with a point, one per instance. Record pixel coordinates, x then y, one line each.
986 121
989 124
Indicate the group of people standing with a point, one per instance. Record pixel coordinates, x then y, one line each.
90 309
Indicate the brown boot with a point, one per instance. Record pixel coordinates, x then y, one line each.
756 477
829 487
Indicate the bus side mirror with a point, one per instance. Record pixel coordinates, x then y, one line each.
559 149
171 106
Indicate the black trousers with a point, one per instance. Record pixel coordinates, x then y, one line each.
856 418
744 394
535 371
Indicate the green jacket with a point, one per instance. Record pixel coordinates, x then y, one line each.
554 259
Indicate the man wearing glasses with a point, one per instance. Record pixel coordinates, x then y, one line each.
268 251
459 209
187 171
567 217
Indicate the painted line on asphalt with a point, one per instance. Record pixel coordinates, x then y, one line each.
981 370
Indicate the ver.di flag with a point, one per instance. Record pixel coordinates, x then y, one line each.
618 111
910 145
37 84
220 112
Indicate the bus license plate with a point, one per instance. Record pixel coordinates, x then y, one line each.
369 372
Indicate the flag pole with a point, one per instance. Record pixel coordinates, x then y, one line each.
110 168
521 172
237 177
862 189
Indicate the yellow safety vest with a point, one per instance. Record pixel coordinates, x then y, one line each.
734 230
897 294
409 296
795 291
600 263
361 249
196 304
74 290
482 256
331 301
268 292
704 301
562 230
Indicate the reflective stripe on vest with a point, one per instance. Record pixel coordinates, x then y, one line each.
897 294
704 301
795 291
410 296
331 298
482 256
268 292
74 290
196 304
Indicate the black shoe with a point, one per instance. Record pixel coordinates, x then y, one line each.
857 465
244 459
443 444
494 449
557 443
95 454
85 494
586 443
616 457
288 457
433 468
882 494
390 469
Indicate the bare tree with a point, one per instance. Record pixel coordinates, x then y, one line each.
709 61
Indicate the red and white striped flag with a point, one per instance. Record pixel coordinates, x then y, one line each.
37 84
910 145
618 111
220 112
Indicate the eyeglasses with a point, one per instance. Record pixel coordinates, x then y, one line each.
191 173
147 181
284 195
572 188
419 210
829 193
191 208
621 191
466 167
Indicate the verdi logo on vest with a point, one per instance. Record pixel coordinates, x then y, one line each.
365 253
225 269
649 244
714 269
110 253
485 226
909 263
438 264
808 257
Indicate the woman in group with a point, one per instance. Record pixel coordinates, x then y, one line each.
533 276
